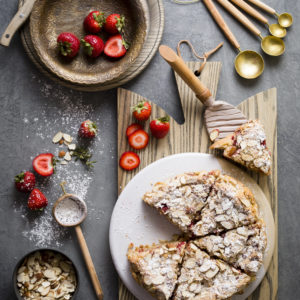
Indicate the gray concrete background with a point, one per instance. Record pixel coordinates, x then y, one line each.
33 109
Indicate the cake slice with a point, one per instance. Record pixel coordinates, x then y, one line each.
229 205
181 198
205 278
247 146
242 247
156 267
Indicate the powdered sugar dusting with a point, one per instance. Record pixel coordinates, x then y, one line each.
39 127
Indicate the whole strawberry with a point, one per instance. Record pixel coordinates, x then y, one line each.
25 182
68 44
160 127
114 24
37 200
93 45
88 129
142 111
94 21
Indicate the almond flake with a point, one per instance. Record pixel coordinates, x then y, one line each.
72 147
68 157
67 138
214 134
63 162
57 137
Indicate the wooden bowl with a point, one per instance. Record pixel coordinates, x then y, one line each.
49 18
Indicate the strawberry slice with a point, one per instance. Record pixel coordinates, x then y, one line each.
44 163
129 161
115 46
132 128
139 139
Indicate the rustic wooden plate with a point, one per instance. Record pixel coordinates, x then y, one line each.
51 17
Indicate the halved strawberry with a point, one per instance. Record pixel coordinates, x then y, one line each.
44 164
139 139
129 160
132 128
115 46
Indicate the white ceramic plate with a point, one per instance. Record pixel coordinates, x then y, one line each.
133 221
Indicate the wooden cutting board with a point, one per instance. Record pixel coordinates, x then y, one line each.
192 137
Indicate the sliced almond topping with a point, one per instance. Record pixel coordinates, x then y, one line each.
214 134
72 146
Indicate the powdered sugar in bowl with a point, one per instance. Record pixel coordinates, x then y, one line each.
69 210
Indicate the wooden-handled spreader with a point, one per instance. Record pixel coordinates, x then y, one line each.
221 118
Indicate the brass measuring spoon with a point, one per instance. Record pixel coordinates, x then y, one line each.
70 211
271 45
285 19
275 29
248 64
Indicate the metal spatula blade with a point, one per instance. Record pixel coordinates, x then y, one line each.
219 115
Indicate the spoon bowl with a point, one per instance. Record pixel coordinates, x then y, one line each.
272 45
249 64
285 20
66 204
277 30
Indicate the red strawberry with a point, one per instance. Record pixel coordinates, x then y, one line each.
88 129
139 139
142 111
114 24
68 44
25 182
93 45
115 46
94 21
132 128
37 200
160 127
44 164
129 160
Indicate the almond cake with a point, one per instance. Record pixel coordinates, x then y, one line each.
156 267
247 146
242 247
224 239
206 278
181 198
229 205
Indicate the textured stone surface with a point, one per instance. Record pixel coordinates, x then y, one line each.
25 94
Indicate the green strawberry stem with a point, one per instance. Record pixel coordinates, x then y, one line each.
88 49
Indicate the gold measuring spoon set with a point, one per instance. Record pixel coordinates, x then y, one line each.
250 64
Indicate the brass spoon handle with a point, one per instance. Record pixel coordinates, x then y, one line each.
19 18
89 262
240 16
250 10
186 74
263 6
222 24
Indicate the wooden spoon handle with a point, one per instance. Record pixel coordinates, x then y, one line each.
220 21
19 18
89 262
263 6
240 16
186 74
250 10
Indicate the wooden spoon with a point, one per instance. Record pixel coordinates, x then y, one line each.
20 17
220 117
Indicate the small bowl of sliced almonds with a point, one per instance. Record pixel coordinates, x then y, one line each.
45 274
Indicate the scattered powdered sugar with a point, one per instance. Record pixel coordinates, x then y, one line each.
66 114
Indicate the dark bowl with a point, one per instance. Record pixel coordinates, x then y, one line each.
20 262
